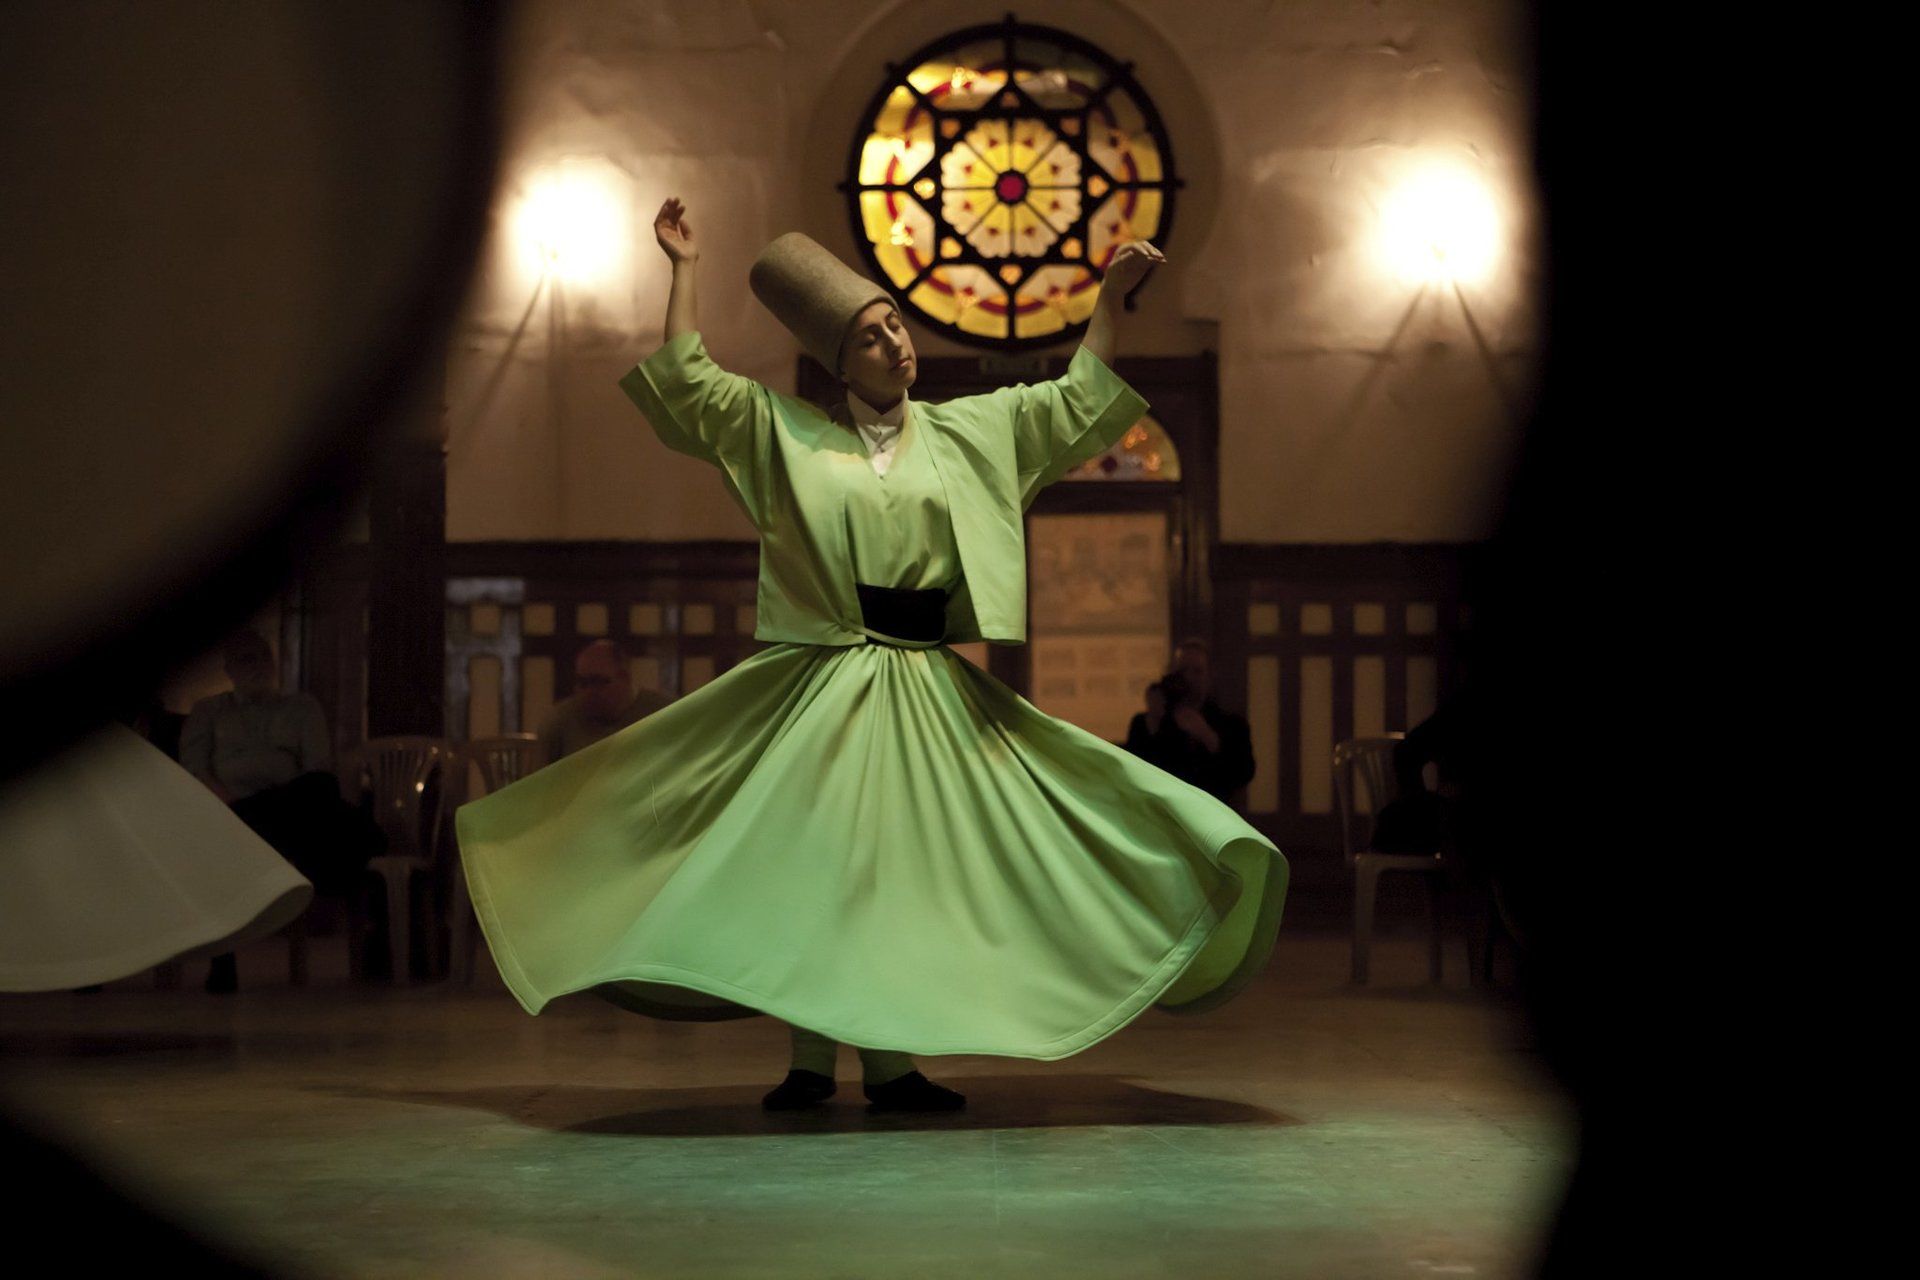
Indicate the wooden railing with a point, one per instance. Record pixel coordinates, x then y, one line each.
518 613
1314 643
1321 643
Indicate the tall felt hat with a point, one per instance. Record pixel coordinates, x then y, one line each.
813 293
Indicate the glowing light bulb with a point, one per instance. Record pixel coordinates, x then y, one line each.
1440 226
574 220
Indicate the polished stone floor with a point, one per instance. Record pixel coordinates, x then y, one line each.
1307 1129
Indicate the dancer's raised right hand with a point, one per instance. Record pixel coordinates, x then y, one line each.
674 233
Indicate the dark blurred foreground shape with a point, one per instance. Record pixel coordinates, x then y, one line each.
234 234
1579 817
232 239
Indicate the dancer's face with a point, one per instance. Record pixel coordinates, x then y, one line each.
877 360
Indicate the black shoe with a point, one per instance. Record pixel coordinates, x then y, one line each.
913 1092
801 1089
223 976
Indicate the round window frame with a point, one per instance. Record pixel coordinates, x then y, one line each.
1010 31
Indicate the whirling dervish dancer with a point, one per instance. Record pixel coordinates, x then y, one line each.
856 830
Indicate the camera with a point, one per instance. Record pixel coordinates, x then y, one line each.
1173 687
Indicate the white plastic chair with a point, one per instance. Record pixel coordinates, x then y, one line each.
397 770
499 761
1364 780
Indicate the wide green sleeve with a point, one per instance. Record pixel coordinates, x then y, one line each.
1060 424
698 408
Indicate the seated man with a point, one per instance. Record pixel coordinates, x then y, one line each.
1417 820
603 701
265 752
1187 733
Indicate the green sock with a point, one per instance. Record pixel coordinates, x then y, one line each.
813 1051
877 1066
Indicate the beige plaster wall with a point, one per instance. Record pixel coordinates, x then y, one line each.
1355 406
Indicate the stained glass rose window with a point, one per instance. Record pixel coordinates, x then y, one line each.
996 172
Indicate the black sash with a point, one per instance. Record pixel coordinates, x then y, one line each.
920 616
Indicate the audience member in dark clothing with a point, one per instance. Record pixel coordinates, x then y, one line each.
1423 821
1188 734
1418 820
602 703
266 753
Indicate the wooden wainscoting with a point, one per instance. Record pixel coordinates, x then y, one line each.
1314 643
518 612
1318 643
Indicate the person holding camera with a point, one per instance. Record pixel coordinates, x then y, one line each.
1185 732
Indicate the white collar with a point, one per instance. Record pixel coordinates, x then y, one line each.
865 415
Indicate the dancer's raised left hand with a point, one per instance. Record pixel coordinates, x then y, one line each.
1130 263
674 232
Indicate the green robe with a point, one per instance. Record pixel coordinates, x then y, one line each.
876 841
779 454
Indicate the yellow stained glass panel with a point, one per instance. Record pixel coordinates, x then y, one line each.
1118 141
899 141
1059 79
965 79
1123 216
900 232
1065 296
954 295
1033 235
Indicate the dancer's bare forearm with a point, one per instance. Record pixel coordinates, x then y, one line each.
682 315
1103 325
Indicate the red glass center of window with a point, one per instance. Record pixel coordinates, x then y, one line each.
1011 187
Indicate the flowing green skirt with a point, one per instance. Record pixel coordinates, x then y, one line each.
885 845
